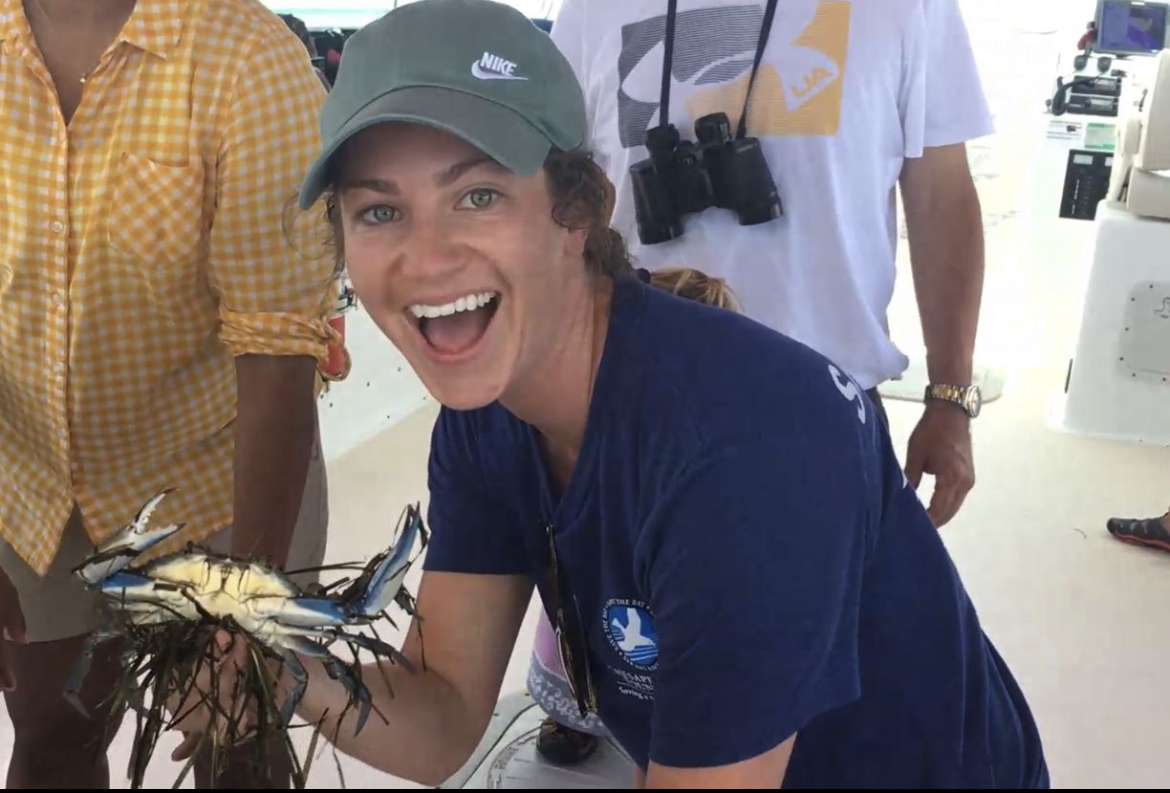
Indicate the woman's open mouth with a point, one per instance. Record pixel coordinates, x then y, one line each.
456 327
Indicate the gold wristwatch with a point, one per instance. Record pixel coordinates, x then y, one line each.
969 398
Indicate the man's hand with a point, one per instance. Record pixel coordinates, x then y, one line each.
941 446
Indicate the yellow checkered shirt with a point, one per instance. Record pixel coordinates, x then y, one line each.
140 251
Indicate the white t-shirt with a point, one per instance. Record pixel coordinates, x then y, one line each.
846 90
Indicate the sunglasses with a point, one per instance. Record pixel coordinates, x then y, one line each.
571 643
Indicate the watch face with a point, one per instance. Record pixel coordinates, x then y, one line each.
974 401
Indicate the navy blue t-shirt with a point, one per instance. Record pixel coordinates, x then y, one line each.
749 561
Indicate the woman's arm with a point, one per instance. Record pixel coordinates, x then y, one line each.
763 772
471 602
435 716
474 594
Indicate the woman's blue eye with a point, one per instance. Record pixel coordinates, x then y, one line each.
481 199
379 214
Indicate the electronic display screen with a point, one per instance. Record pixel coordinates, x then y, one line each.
1131 27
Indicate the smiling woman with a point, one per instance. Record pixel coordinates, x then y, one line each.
473 207
713 514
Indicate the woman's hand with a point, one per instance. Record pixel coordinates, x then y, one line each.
232 711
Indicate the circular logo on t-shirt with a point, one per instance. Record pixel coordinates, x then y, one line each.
630 628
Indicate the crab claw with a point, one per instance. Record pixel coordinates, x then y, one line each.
366 598
119 549
384 577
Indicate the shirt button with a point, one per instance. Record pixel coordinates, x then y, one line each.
58 298
59 368
58 227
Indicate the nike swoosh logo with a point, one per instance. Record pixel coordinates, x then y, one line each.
483 74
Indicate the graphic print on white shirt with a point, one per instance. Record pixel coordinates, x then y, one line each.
797 90
847 90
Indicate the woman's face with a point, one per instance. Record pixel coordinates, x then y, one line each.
457 260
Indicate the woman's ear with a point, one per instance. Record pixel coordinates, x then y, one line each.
575 240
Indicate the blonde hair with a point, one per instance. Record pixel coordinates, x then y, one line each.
696 285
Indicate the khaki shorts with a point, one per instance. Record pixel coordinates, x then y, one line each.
60 606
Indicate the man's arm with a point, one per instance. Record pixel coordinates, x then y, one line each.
275 431
273 290
944 223
943 107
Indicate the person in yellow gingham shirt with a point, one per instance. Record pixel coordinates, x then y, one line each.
158 327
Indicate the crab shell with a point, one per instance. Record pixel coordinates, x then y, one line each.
193 585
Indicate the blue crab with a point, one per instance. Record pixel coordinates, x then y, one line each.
196 587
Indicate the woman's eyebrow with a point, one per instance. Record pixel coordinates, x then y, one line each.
387 186
451 175
443 178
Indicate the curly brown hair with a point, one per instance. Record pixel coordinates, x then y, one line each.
583 198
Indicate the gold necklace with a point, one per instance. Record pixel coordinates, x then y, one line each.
41 10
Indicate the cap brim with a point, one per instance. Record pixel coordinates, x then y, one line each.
497 131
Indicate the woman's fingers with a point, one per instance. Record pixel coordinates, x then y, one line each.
220 686
187 748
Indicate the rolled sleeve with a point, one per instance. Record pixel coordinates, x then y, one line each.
270 265
277 334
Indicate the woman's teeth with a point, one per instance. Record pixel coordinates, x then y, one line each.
466 303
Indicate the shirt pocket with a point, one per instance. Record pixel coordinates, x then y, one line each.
156 226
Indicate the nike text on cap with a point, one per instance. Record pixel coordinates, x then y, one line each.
478 69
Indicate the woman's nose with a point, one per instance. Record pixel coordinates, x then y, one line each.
428 250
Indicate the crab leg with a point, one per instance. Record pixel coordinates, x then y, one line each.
81 669
295 668
356 689
294 643
376 646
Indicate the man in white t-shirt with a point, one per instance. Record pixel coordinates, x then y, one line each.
850 100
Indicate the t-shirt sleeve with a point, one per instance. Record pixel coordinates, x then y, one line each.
754 572
942 97
472 531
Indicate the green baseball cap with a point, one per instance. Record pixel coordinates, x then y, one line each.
478 69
